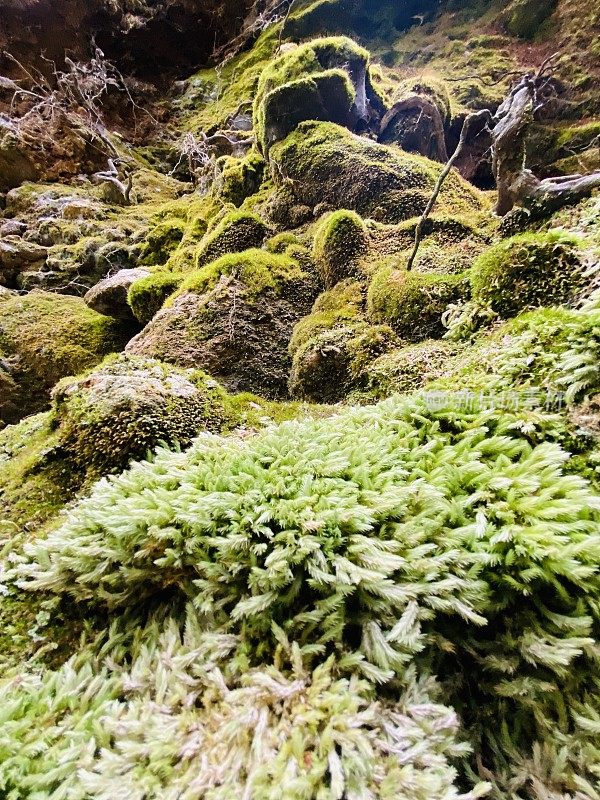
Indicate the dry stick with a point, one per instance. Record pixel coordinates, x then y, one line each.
476 116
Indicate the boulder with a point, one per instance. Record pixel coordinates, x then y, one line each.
109 297
18 255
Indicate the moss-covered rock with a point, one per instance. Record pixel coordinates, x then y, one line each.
147 296
161 241
524 17
528 271
323 162
109 296
339 306
324 79
340 243
239 177
413 303
44 337
128 406
233 318
237 231
330 364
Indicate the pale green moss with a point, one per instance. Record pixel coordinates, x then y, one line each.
341 241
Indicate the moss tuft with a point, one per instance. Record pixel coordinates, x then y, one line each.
340 243
336 307
237 231
240 177
527 271
147 296
413 303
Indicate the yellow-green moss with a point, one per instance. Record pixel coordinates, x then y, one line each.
341 241
161 240
236 232
413 303
50 336
258 270
240 177
147 296
528 271
338 306
523 18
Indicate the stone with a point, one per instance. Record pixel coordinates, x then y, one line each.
109 297
16 254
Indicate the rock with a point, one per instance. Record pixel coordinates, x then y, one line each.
16 166
234 319
324 163
12 227
16 254
44 337
109 297
129 406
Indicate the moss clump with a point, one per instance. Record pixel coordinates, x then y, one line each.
523 18
128 406
336 307
327 366
317 80
281 241
321 162
527 271
258 270
147 296
413 303
340 243
239 177
46 336
161 241
237 231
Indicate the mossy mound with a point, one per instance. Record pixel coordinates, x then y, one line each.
324 163
528 271
342 304
161 240
44 337
330 364
239 177
341 241
413 303
147 296
233 318
236 231
125 408
523 18
324 79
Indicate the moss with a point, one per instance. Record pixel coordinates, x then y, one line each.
279 242
50 336
147 296
313 81
523 18
336 307
240 177
237 231
413 303
340 243
258 270
321 162
527 271
161 240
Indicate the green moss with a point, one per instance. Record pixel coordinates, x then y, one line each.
237 231
321 162
312 81
147 296
50 336
340 243
413 303
161 240
279 242
336 307
240 177
524 17
527 271
258 270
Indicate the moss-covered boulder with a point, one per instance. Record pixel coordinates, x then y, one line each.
238 178
330 364
321 162
128 406
414 303
233 318
236 232
146 296
340 243
523 18
161 241
324 79
44 337
528 271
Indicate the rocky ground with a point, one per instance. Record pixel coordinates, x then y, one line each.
280 517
